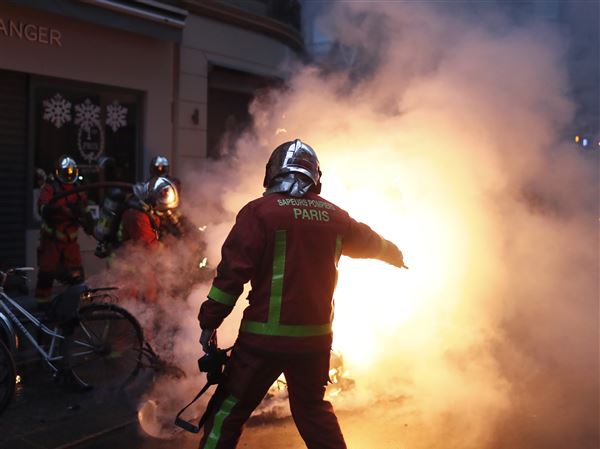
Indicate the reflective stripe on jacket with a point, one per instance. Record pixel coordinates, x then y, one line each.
59 235
288 248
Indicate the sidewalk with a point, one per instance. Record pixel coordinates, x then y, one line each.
46 414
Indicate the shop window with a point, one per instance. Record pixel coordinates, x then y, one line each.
97 126
228 118
230 93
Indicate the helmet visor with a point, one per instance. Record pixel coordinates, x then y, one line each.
67 171
159 166
167 198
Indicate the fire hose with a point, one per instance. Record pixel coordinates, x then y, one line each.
95 185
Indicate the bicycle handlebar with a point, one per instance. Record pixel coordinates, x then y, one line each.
4 275
10 271
17 269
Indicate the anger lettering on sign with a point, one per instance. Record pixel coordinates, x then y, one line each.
30 32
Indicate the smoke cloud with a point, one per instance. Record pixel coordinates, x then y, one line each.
446 136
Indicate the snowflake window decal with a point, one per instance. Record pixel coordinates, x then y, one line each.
116 116
87 115
57 110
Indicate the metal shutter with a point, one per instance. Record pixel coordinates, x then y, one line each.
13 163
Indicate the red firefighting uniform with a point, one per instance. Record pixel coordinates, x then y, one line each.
138 227
59 253
141 229
288 248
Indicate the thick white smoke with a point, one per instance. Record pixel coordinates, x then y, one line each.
445 137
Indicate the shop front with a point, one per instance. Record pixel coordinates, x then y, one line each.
70 84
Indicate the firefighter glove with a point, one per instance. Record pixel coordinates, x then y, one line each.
393 255
208 339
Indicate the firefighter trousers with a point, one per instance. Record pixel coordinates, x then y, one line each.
248 378
57 260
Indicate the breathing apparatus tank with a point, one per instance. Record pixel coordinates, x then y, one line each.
107 226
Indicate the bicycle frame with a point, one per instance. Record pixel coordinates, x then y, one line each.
51 355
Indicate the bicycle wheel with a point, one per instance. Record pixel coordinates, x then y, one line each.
7 376
105 349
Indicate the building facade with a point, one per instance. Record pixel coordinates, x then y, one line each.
113 83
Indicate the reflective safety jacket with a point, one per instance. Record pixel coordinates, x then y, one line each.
288 248
65 222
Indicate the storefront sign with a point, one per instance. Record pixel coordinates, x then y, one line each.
30 32
90 142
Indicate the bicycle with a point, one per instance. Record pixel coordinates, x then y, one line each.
97 344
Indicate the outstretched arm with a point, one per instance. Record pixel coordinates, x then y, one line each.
360 241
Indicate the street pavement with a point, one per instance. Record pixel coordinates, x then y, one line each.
47 415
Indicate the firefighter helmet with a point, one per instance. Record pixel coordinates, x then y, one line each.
159 166
66 170
293 157
162 195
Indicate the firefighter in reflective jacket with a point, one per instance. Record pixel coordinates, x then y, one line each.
153 200
140 225
173 222
59 256
287 244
